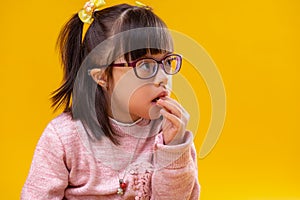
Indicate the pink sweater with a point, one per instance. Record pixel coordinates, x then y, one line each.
68 164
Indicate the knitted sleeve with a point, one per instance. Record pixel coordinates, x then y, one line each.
176 174
48 176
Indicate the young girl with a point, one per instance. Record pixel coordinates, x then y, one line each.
121 136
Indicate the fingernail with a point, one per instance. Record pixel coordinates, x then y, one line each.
160 100
162 111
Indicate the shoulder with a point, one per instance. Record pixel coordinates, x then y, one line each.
62 120
62 126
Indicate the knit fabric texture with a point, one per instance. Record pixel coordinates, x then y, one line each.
69 163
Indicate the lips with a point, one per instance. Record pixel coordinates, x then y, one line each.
159 96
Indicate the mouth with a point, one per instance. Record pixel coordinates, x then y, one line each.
160 96
155 100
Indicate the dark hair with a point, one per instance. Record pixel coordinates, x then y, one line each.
107 22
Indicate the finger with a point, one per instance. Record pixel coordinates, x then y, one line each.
184 114
175 127
170 107
174 102
172 118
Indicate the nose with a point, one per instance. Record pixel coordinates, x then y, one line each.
161 78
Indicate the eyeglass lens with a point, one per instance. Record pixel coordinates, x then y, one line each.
147 68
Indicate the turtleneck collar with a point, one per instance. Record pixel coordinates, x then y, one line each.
139 122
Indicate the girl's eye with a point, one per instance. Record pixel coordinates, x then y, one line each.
170 61
146 66
170 65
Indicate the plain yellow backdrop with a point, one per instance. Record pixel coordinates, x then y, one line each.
255 45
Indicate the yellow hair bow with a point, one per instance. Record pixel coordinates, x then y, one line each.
86 14
140 4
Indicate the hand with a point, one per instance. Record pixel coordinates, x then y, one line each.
175 120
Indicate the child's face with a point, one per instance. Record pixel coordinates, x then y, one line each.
131 97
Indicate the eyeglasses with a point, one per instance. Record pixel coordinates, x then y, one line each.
146 68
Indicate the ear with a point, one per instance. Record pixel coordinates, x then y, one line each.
99 77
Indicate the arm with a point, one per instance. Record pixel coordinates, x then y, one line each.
176 174
48 176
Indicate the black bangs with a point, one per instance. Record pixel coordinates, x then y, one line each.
149 40
136 54
142 32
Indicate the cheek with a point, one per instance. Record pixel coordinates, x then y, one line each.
121 90
127 91
132 96
140 97
140 103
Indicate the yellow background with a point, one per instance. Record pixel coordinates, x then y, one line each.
255 45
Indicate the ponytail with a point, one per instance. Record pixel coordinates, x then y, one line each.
70 47
79 95
73 50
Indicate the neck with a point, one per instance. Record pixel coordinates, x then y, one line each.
121 115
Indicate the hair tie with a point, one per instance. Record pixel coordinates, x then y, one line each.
86 14
140 4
